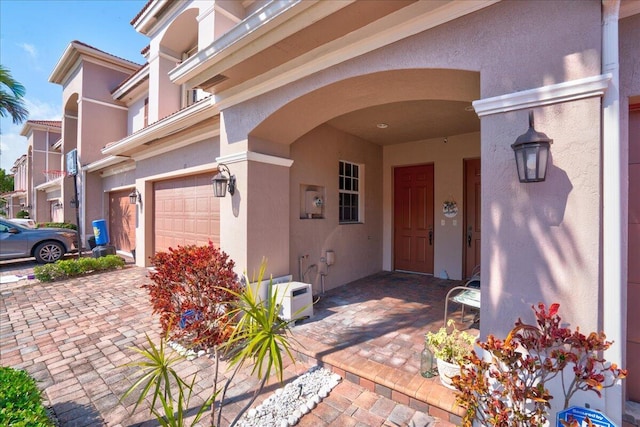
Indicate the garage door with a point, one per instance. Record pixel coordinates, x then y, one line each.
186 212
122 221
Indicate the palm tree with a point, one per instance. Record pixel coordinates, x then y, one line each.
11 103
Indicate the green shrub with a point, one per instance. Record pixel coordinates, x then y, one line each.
57 225
22 214
64 269
21 400
47 272
70 267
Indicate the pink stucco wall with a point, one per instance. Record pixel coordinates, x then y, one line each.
540 241
357 247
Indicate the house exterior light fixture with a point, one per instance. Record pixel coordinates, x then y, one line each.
135 197
532 154
222 183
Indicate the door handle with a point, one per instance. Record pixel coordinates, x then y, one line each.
430 235
469 235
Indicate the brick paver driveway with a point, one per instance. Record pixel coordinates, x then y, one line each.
74 336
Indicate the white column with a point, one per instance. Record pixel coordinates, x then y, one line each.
614 285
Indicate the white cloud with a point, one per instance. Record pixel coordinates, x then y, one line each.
30 49
39 110
12 146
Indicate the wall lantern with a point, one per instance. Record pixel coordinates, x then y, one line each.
135 197
532 154
222 183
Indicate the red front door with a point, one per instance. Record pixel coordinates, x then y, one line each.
413 218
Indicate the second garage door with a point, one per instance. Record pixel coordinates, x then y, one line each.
122 221
185 212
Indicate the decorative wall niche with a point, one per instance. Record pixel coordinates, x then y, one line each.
312 199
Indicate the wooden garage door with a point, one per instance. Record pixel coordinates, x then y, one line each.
122 221
186 212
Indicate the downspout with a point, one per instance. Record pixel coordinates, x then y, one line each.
612 274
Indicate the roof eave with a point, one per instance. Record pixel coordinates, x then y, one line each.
132 83
163 128
248 30
105 163
29 126
75 50
149 17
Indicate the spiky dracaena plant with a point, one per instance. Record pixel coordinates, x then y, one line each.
256 335
165 385
260 338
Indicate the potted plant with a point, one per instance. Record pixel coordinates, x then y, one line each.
450 350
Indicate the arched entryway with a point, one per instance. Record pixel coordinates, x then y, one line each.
372 124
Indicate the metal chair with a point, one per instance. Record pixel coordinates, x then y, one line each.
467 295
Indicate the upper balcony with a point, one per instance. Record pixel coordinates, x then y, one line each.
52 175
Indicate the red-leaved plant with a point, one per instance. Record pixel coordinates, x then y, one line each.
510 389
189 290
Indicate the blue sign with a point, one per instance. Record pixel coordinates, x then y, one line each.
580 414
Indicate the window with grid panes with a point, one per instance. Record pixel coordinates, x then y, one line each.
349 192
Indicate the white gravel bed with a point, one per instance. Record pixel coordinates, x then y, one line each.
288 404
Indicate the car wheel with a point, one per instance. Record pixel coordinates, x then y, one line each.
48 252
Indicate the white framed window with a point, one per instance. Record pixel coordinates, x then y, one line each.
350 192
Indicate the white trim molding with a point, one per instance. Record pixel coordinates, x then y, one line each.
105 104
105 162
174 123
117 169
545 95
254 157
194 170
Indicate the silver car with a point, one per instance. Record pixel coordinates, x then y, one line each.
45 244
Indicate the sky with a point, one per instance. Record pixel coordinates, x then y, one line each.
33 36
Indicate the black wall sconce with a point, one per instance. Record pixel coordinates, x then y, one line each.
532 154
135 197
222 183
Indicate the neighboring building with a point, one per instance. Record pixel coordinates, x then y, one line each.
44 167
347 126
18 199
91 119
34 172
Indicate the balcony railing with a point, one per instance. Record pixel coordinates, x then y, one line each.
52 175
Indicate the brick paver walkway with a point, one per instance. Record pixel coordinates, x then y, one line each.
74 336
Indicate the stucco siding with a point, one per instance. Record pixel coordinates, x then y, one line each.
193 155
358 247
135 119
100 124
541 240
100 81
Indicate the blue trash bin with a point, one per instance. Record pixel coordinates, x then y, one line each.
100 232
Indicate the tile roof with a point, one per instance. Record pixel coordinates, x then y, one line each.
146 6
102 51
52 123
